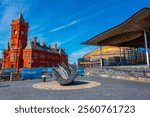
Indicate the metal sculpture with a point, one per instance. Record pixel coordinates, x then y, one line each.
65 74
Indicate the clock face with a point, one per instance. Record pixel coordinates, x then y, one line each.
22 32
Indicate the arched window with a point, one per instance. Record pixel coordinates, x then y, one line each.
12 66
15 32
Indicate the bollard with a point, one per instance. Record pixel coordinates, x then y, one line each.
11 76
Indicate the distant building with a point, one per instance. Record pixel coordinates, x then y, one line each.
113 56
133 33
18 53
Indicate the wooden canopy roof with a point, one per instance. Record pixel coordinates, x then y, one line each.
130 33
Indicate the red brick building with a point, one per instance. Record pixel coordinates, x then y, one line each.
18 53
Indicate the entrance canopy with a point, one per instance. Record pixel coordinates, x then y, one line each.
130 33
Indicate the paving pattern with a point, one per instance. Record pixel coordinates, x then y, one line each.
112 89
54 85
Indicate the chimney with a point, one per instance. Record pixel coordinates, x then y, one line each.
43 44
35 40
55 46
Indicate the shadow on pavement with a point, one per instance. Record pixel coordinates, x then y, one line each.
1 86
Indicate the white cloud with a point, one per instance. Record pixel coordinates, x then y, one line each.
92 10
41 29
53 30
64 26
73 57
34 30
10 11
63 42
33 27
59 43
9 14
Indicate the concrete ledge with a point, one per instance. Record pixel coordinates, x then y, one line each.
139 79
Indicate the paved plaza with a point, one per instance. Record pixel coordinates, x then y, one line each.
109 89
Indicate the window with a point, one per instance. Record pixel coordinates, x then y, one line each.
15 32
11 57
35 55
42 56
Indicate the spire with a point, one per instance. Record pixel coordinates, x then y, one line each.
21 16
7 46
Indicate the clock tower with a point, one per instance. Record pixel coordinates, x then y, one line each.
19 33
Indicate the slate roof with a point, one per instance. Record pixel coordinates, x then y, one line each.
37 46
31 45
20 16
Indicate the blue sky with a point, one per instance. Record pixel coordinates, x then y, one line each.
66 22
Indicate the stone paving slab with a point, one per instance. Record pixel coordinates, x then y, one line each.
110 89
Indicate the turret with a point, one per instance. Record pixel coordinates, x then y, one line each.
7 46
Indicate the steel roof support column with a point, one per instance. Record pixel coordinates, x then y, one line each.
120 57
124 52
146 48
101 59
